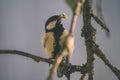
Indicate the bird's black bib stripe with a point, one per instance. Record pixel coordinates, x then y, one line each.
57 33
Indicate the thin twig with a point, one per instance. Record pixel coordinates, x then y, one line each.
75 15
101 55
100 22
83 76
25 54
74 19
72 68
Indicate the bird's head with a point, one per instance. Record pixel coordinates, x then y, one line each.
54 20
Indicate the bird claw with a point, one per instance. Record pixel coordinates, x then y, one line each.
51 59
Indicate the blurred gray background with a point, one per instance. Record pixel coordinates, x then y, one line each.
22 28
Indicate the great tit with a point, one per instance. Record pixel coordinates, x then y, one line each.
55 35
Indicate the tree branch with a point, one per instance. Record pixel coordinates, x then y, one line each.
88 32
101 55
83 76
100 22
76 12
25 54
72 68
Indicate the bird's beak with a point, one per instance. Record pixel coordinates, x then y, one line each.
64 16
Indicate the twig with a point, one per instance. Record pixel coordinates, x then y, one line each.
101 55
75 14
34 57
83 76
74 20
70 68
100 22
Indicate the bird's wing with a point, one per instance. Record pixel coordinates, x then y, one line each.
48 38
49 43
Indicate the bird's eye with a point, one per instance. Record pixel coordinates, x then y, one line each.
51 25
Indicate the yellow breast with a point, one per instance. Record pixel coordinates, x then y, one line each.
49 42
63 37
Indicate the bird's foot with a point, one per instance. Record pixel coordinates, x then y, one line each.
51 59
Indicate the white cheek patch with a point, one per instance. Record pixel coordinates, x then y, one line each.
51 25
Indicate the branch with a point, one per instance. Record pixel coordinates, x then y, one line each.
101 55
75 14
25 54
100 22
83 76
67 68
88 32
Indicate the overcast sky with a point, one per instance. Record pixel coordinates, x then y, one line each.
22 28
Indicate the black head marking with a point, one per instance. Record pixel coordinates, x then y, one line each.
56 19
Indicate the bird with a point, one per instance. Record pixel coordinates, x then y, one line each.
55 35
